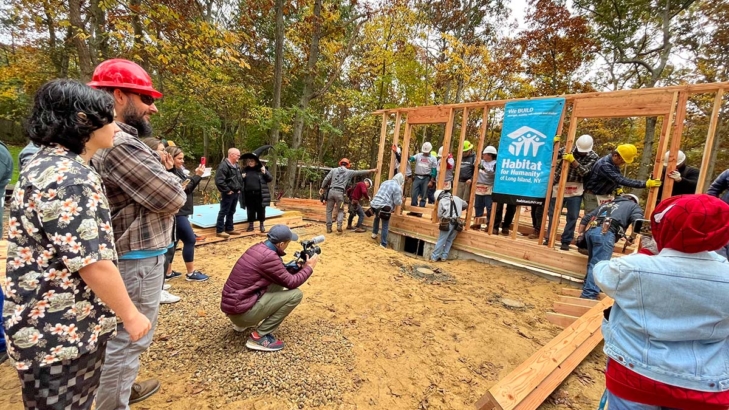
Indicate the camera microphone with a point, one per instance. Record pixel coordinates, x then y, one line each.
316 240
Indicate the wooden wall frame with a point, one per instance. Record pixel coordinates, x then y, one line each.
667 102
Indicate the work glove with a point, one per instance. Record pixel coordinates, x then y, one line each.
557 138
619 192
675 175
569 158
653 183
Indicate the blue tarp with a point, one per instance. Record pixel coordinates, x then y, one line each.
205 216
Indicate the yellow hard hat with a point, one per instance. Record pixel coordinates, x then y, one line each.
627 152
171 144
467 145
433 153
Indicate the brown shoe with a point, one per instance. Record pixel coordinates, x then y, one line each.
329 230
351 228
233 232
222 235
476 226
339 229
360 230
142 390
533 235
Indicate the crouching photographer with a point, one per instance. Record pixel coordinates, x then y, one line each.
261 291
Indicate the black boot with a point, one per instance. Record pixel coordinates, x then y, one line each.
262 228
250 227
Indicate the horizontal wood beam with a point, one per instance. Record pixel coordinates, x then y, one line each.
577 292
569 309
560 319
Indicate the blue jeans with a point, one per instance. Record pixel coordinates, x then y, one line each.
227 209
483 201
443 244
420 189
431 195
573 212
376 228
599 248
360 216
616 403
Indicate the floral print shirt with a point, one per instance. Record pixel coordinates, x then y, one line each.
59 223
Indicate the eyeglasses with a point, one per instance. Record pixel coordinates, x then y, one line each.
147 99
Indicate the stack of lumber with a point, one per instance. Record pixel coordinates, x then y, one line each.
570 307
534 380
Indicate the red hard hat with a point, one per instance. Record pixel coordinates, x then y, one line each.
123 74
344 161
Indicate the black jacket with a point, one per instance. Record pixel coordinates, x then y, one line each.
264 179
228 177
186 209
467 167
687 186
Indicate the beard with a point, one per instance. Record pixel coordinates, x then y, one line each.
135 119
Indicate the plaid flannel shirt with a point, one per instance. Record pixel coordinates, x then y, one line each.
143 196
606 177
389 194
576 174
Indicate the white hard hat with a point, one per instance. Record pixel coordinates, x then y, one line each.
490 150
440 152
437 193
680 158
584 143
427 147
631 196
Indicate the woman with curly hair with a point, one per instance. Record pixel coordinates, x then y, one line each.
63 291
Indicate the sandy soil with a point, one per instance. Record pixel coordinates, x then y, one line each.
367 335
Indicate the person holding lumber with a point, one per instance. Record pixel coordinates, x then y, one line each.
467 169
581 160
666 336
383 204
449 212
605 177
601 228
684 177
425 169
337 180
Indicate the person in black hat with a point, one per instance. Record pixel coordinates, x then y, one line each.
255 196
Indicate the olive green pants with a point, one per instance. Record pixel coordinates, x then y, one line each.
270 310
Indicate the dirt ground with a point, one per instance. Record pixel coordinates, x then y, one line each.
368 335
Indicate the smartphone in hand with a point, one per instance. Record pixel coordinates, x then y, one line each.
202 161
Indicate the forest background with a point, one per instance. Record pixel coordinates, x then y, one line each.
305 75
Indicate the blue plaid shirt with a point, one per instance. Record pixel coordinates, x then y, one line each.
606 177
389 194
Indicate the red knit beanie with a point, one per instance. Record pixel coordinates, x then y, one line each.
691 223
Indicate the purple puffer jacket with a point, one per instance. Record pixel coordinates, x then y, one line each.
255 270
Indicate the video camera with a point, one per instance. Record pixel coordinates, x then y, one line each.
309 249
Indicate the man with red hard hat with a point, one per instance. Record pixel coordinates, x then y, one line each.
337 180
144 199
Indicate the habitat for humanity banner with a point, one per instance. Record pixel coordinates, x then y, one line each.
525 151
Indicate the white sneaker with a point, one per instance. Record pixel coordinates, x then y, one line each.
166 286
373 236
167 297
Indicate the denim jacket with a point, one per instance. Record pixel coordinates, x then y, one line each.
670 320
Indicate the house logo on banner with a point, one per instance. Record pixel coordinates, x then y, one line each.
525 151
524 139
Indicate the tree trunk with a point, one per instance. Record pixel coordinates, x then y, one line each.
646 159
277 80
136 6
100 41
79 39
306 95
714 152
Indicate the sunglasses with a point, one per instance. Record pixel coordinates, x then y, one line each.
147 99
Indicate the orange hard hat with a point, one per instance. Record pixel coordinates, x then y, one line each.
344 161
123 74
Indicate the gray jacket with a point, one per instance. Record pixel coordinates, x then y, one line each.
620 209
444 206
340 177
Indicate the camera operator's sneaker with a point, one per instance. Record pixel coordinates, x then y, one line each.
196 276
267 343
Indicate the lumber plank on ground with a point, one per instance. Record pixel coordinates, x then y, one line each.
578 301
536 378
560 319
570 309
